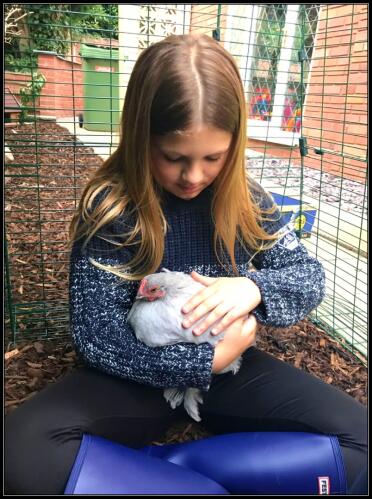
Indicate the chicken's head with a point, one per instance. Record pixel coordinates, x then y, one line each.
165 283
149 291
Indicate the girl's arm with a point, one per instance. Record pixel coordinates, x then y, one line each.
291 282
99 304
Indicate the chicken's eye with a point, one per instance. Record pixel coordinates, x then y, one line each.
153 290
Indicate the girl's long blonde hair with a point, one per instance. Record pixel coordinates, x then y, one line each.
176 83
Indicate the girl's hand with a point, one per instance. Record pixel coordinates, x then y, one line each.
227 298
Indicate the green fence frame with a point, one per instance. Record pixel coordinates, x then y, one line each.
327 68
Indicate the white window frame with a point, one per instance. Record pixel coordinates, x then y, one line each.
264 130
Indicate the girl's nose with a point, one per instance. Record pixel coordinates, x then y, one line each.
193 175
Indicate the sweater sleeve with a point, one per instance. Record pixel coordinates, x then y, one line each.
99 305
291 282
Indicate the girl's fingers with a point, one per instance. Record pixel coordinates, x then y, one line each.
214 317
200 312
226 321
199 298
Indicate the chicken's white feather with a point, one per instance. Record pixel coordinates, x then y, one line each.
158 321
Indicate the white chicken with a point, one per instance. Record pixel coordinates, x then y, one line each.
156 318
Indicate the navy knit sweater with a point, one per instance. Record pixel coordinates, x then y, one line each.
291 282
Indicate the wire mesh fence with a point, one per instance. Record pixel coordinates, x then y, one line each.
304 70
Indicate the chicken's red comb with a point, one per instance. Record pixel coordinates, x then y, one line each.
142 287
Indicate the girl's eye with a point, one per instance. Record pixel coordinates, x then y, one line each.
172 160
179 159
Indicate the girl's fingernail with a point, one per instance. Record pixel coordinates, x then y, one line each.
214 332
196 331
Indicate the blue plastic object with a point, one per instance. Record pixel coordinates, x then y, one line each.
264 462
236 463
105 467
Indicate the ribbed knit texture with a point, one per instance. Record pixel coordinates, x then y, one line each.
292 283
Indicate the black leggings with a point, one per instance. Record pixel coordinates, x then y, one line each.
42 437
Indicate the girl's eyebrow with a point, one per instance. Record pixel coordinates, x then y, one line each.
169 151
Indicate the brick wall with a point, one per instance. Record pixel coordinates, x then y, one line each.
62 94
15 81
271 149
335 112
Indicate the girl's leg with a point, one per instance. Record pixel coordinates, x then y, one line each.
42 437
270 395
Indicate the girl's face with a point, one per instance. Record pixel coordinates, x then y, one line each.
191 160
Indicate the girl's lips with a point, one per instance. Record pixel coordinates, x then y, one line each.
189 189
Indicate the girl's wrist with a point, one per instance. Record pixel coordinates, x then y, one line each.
223 356
226 351
231 347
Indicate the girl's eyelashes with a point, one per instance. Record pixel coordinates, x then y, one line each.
180 159
171 160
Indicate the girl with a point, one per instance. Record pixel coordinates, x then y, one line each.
175 194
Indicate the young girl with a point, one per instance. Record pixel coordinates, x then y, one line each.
175 194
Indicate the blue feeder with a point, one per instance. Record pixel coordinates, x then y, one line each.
294 211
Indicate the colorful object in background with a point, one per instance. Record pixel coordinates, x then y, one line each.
292 113
261 104
293 211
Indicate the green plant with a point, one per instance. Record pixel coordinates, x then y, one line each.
29 94
25 63
55 27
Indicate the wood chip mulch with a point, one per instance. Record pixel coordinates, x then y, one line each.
33 365
63 167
